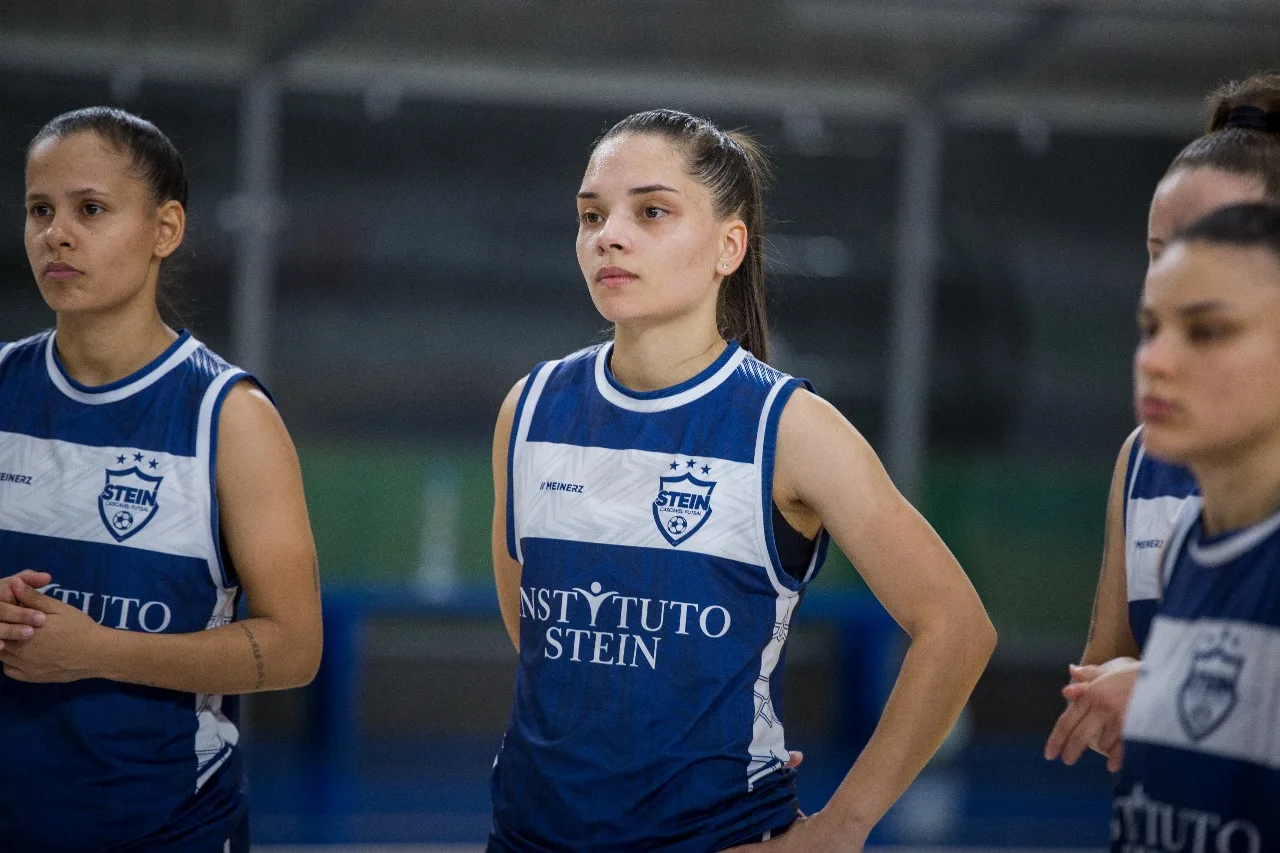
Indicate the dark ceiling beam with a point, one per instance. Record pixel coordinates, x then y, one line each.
289 28
1040 29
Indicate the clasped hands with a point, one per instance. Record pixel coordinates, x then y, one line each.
42 639
1097 698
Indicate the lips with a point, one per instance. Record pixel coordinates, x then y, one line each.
60 271
614 276
1152 408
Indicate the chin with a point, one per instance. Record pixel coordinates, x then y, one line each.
1167 445
617 308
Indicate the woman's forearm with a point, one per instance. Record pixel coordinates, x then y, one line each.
938 673
242 657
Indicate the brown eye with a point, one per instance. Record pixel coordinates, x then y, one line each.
1205 332
92 208
653 213
39 211
589 217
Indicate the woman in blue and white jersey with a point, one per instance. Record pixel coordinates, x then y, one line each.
1236 160
146 486
662 502
1201 760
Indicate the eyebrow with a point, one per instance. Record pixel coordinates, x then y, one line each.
644 190
1202 307
1191 310
84 192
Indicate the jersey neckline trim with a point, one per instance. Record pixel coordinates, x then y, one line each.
176 353
663 399
1220 550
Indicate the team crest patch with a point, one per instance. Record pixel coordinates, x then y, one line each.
1208 694
128 501
683 505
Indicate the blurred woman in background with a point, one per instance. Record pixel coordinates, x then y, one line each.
1201 761
1236 160
662 502
145 486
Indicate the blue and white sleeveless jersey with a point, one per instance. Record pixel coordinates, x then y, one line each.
1155 493
1202 733
653 612
111 491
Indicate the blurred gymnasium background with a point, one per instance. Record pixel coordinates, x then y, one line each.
381 225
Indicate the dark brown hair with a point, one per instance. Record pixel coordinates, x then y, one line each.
1245 225
733 168
156 162
1243 134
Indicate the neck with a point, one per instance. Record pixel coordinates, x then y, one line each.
656 357
1241 491
100 349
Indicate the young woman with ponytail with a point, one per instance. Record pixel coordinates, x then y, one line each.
1236 161
662 502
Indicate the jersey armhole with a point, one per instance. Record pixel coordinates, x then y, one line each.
1188 514
207 447
520 422
1136 454
766 455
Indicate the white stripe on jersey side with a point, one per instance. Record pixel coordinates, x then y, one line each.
178 356
5 350
615 506
62 500
661 404
215 740
1248 729
768 751
537 381
214 731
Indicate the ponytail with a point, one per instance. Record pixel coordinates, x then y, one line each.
1243 133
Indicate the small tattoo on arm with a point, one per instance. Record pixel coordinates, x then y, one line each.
257 659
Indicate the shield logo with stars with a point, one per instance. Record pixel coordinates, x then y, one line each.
1209 692
682 506
128 501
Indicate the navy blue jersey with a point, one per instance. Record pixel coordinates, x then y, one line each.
653 612
1202 733
111 491
1155 492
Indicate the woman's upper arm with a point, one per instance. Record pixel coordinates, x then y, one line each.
1109 633
506 569
826 463
263 516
